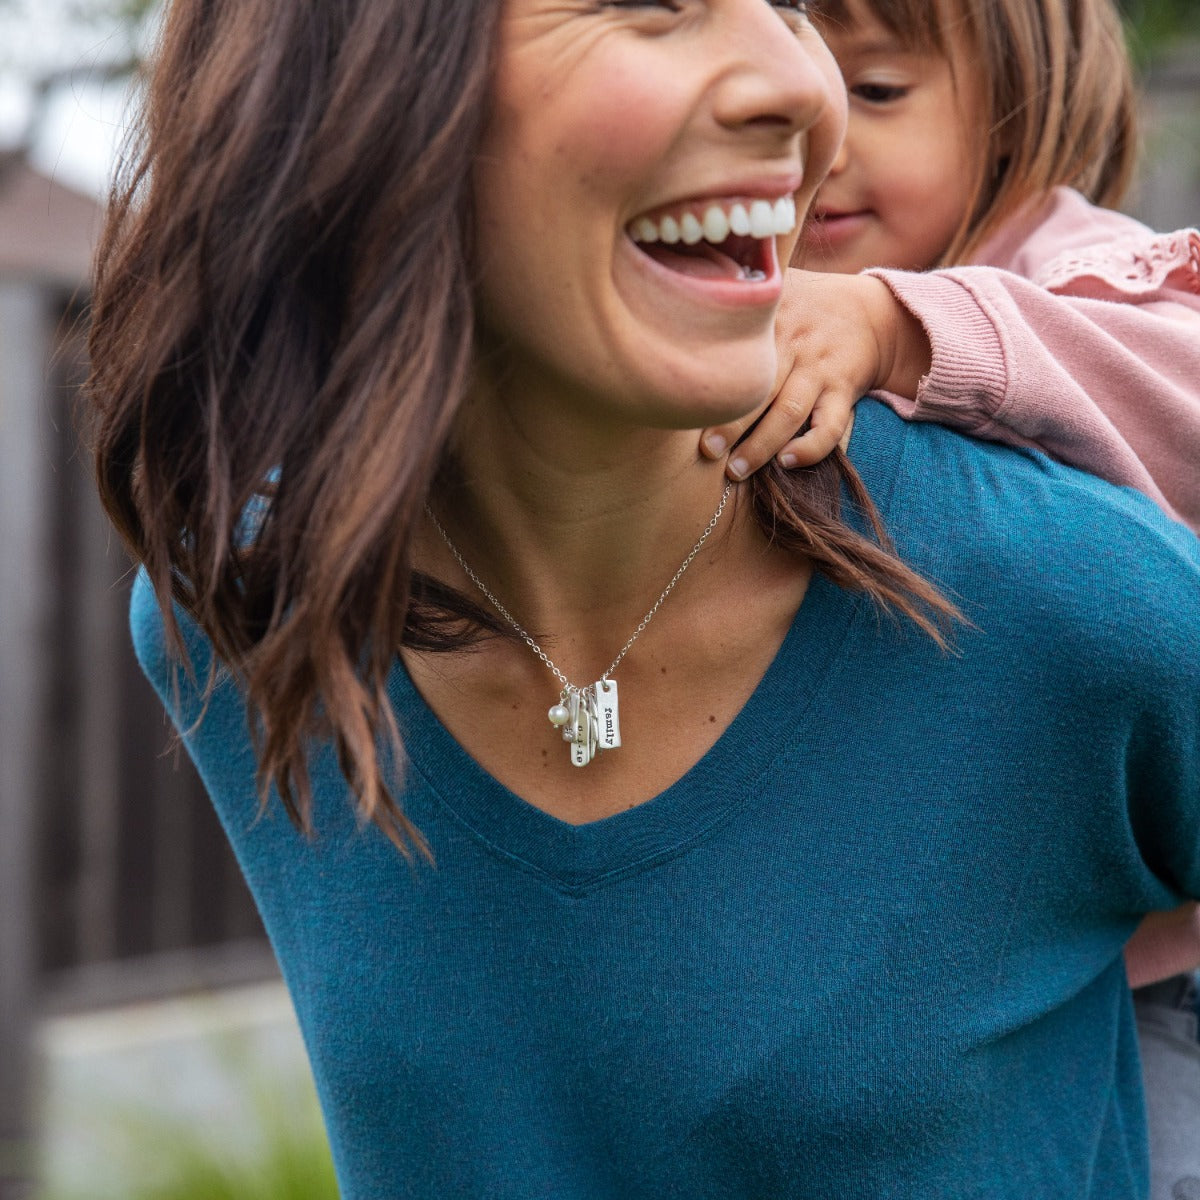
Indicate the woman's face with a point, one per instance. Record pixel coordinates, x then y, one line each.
624 142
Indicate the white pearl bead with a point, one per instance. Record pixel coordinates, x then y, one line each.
559 715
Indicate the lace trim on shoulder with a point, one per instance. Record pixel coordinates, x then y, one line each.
1134 265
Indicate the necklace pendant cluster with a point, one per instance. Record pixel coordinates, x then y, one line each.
590 719
588 716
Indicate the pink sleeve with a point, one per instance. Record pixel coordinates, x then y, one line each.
1103 380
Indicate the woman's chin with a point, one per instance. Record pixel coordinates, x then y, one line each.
716 386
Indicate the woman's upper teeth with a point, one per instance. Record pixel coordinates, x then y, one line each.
716 221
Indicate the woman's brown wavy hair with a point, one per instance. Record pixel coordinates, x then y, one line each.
281 337
1055 83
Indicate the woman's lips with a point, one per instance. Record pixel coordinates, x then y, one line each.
721 249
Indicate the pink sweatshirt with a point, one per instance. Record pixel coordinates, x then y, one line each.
1086 344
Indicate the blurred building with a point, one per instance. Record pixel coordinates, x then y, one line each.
1166 194
115 880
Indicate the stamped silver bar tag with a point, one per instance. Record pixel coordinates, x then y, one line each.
579 719
581 752
571 728
607 714
581 735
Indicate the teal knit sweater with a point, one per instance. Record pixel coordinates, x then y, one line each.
869 946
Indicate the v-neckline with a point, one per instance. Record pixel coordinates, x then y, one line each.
579 858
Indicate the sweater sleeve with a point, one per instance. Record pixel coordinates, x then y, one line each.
1094 358
1102 372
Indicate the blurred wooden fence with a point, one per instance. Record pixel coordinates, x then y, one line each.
132 864
115 879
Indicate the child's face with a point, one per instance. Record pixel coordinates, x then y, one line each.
903 180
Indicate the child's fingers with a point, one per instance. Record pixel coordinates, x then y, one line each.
775 428
715 441
830 418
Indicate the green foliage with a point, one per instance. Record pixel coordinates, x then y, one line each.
281 1154
1155 25
293 1164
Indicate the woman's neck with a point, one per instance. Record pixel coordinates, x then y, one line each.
575 524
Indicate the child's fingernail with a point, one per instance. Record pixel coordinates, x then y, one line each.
787 460
715 444
738 468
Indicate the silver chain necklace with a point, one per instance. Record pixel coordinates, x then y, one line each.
588 716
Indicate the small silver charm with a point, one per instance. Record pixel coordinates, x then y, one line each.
581 753
593 722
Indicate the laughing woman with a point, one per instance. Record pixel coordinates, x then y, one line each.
649 835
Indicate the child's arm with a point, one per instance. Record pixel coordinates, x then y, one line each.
1105 381
1102 372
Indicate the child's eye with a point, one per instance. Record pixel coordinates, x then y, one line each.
879 93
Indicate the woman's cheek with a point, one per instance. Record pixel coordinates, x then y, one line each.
826 136
641 118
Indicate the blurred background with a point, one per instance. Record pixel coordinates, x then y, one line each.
147 1048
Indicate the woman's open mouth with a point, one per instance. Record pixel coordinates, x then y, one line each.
730 239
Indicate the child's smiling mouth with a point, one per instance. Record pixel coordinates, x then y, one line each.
829 227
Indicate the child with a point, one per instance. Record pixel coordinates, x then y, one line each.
985 135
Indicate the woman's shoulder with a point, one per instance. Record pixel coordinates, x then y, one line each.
206 706
996 520
148 629
1089 586
179 671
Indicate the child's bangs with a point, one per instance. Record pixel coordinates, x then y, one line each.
916 24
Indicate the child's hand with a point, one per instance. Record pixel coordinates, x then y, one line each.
1164 944
838 337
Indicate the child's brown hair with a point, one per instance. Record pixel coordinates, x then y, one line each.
1056 88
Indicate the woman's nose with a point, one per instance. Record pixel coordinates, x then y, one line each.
842 158
773 79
